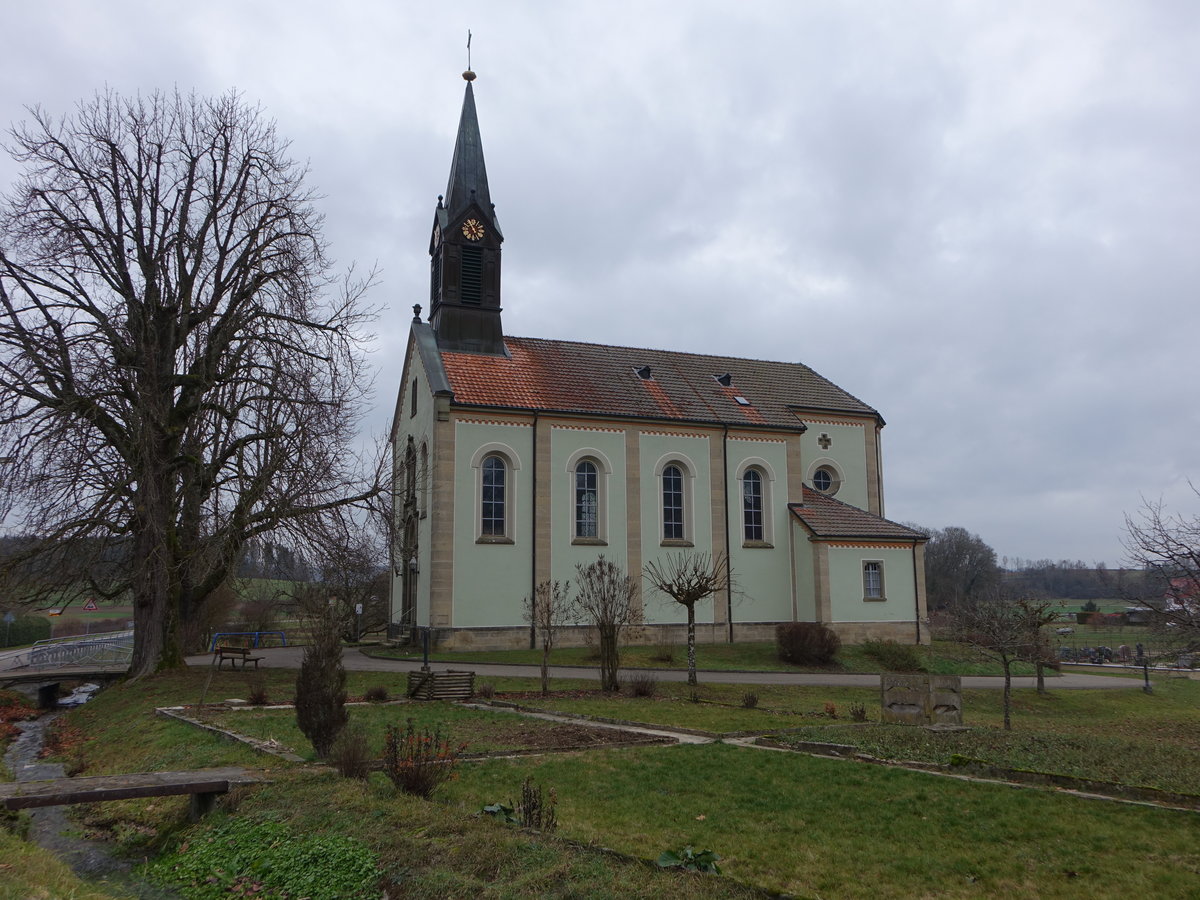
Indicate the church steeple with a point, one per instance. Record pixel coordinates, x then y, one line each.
465 248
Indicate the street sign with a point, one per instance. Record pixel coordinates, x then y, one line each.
9 618
90 606
358 609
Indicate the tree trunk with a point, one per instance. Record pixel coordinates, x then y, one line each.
1007 693
1041 676
609 659
691 638
545 668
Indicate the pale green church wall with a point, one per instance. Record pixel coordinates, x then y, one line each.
762 575
607 448
848 454
491 579
421 427
846 585
656 451
803 558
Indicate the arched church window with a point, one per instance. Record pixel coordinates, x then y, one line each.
752 506
672 503
493 511
587 500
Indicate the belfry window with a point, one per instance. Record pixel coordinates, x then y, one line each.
472 276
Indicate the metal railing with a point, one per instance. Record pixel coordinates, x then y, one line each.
113 648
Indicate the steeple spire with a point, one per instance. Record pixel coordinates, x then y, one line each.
464 249
468 174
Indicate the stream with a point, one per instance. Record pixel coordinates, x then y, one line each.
50 826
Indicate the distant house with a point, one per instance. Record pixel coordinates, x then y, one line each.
515 458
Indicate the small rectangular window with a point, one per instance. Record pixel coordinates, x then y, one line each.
872 580
413 411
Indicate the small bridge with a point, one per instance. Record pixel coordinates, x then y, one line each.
80 656
203 785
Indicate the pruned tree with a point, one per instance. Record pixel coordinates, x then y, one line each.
608 598
1004 628
549 609
1036 614
688 578
1166 547
179 371
959 566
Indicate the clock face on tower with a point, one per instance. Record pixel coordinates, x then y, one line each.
472 229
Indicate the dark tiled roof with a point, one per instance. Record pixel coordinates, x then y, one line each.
565 376
827 517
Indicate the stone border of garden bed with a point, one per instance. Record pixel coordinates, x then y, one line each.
173 712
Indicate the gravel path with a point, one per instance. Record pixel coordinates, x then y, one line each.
355 660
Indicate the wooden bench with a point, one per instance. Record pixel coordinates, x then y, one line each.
202 785
235 655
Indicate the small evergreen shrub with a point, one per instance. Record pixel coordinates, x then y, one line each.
642 685
894 657
321 684
350 754
807 643
418 762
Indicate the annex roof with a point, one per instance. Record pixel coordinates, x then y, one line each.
828 517
600 379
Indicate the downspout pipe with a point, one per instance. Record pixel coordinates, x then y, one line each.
533 555
728 562
916 594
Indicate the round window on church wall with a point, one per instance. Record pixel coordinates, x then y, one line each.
825 480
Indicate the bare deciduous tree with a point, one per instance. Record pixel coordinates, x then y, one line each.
997 627
958 566
179 372
607 597
688 578
550 608
1166 548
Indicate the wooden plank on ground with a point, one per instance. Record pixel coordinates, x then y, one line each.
96 788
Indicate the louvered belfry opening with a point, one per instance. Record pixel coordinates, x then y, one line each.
472 276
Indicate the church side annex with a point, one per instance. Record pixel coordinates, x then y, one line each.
516 458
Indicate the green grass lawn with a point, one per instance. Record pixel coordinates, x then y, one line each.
782 821
942 657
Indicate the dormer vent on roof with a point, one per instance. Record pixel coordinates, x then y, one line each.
644 373
724 380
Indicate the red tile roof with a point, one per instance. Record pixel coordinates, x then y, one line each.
827 517
565 376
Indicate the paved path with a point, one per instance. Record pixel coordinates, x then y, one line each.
356 661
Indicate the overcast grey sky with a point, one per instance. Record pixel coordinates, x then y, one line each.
982 218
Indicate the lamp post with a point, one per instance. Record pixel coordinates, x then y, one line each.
414 569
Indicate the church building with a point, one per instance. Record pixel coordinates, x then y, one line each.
515 458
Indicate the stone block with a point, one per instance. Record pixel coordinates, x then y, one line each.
903 699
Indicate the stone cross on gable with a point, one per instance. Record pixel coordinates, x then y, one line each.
825 441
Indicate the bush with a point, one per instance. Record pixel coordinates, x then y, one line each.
321 685
749 700
642 685
663 653
894 657
807 643
24 630
486 690
350 754
376 694
858 712
418 762
538 810
831 709
256 689
690 860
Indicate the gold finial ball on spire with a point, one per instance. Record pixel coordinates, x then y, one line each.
468 75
